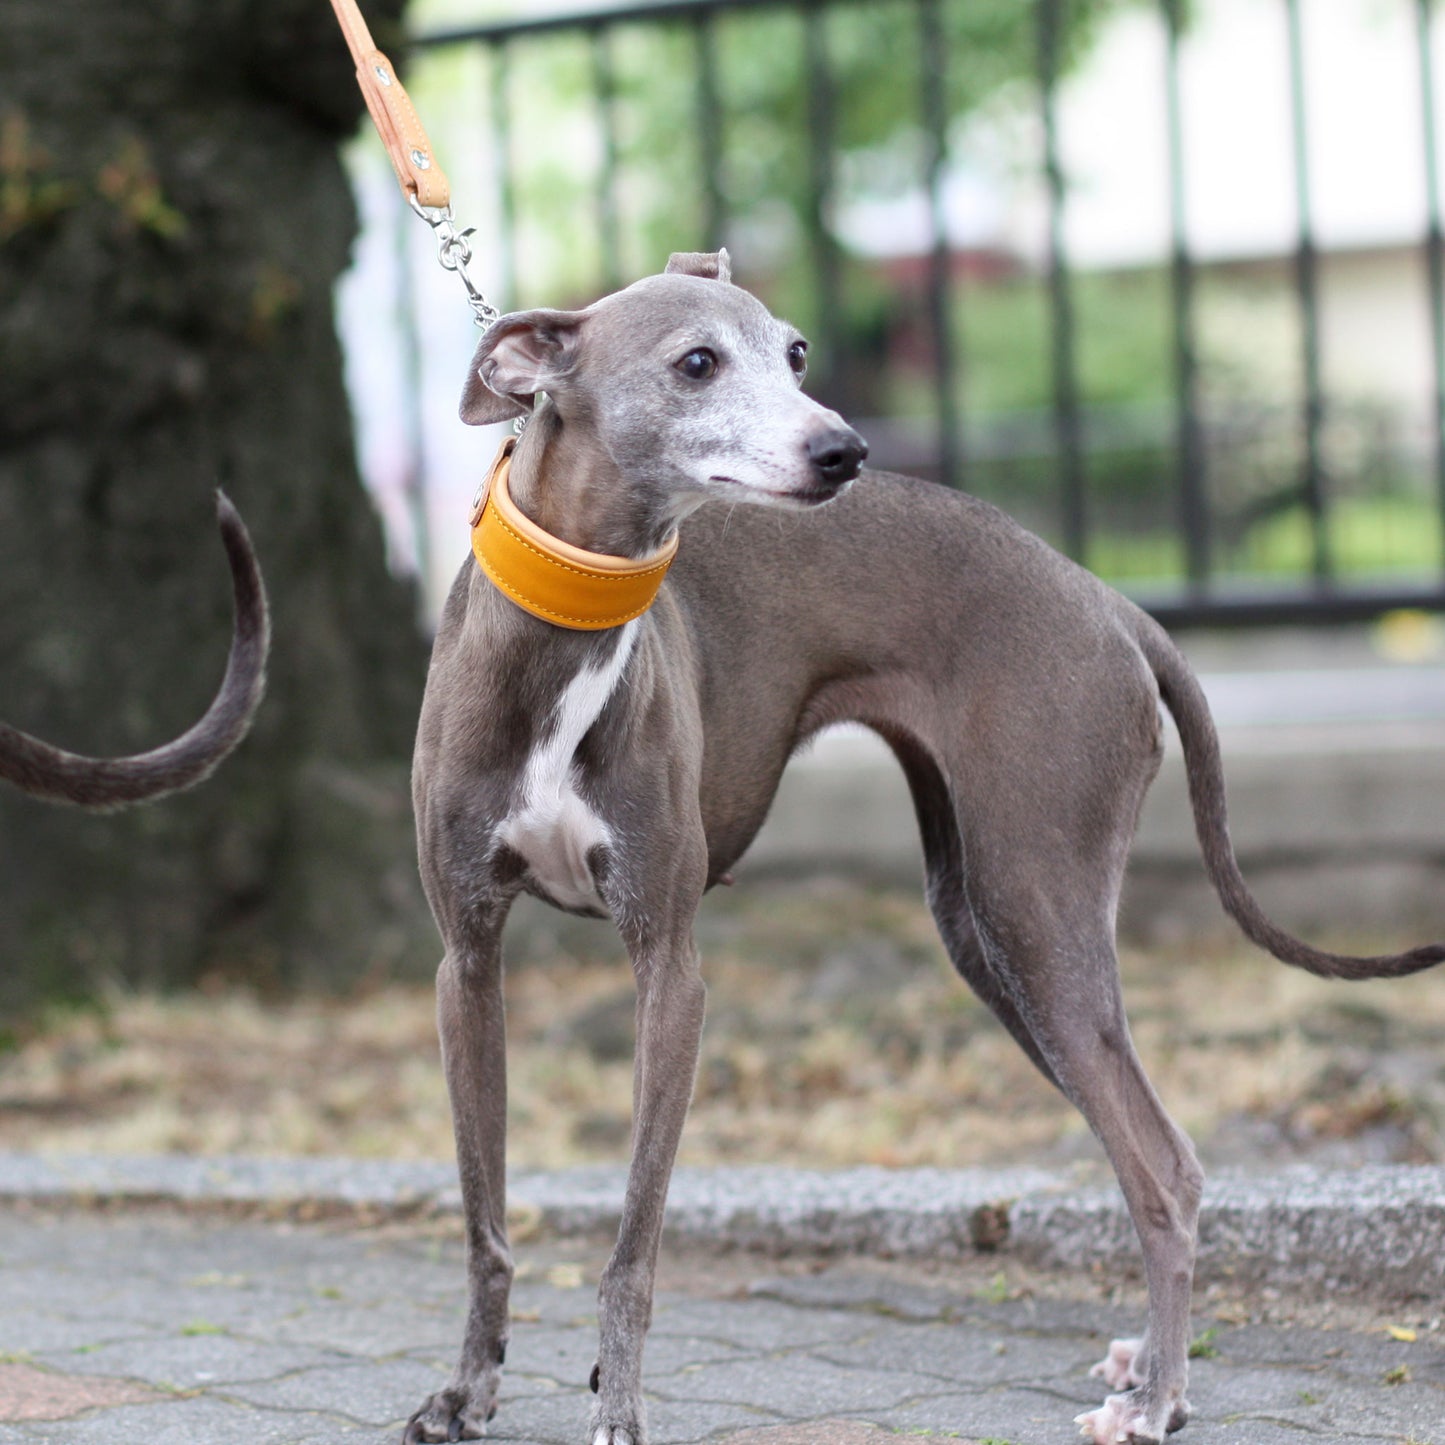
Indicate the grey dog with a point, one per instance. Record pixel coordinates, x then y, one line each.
623 772
58 776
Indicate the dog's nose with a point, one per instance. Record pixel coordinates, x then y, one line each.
837 454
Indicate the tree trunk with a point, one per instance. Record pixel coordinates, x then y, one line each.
173 216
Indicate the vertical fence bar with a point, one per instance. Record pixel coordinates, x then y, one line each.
933 56
1312 483
1434 252
501 121
709 130
604 89
1068 423
1193 481
821 107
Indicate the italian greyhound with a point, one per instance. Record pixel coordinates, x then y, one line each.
58 776
622 771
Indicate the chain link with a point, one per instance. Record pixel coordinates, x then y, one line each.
454 252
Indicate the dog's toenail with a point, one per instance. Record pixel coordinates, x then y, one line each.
502 1353
595 1379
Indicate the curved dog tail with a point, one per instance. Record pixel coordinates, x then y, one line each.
58 776
1185 700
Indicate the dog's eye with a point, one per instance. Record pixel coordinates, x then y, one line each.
798 359
698 365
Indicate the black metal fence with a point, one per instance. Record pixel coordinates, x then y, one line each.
1213 504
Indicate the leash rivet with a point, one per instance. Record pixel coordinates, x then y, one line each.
421 160
382 74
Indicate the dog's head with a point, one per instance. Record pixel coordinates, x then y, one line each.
688 382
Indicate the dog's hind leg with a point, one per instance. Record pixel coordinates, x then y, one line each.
472 1027
1026 831
947 898
1055 986
1045 932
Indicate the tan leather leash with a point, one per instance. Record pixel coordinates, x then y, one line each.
423 182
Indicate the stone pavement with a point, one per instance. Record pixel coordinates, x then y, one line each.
135 1324
1376 1227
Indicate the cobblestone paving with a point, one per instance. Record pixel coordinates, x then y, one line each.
149 1327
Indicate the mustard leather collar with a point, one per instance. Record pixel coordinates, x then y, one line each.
550 578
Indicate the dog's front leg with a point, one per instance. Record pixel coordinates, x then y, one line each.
670 1003
472 1026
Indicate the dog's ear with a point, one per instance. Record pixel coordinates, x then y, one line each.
520 354
710 265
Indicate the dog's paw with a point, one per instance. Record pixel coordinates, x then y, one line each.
451 1414
1120 1368
607 1427
1131 1420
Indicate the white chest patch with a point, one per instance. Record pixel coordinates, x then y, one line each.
552 827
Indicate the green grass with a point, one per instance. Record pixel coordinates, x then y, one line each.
1369 537
1365 535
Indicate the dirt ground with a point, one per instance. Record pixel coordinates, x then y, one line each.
837 1034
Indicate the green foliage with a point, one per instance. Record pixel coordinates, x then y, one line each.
770 68
129 181
1202 1347
31 194
996 1291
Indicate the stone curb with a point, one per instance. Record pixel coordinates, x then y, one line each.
1375 1228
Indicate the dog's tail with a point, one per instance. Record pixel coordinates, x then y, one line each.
58 776
1185 699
